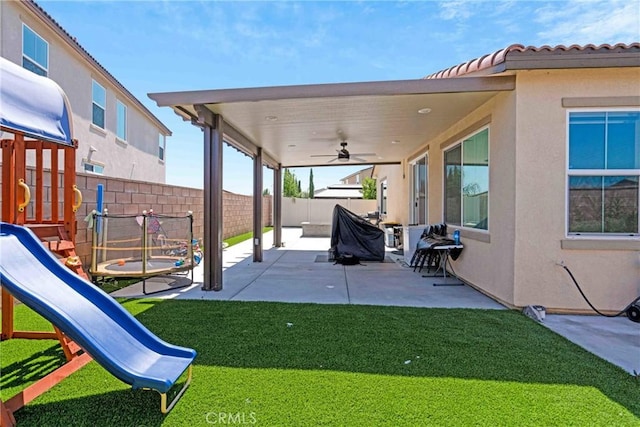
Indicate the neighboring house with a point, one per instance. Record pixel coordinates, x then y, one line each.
117 135
339 191
350 186
542 175
357 177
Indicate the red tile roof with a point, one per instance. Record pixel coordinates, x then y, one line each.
489 64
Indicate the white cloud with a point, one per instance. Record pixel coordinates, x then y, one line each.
253 31
463 10
507 6
582 22
457 9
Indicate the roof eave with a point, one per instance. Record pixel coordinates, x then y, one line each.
538 61
518 57
181 100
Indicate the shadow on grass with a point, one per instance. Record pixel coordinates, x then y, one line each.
35 367
123 407
492 345
495 345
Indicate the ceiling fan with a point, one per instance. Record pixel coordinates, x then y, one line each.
344 155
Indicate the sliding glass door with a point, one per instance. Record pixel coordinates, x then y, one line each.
420 195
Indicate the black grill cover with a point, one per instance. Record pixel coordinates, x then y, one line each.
351 234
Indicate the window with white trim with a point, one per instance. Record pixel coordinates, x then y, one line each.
603 172
466 189
121 120
161 146
93 168
35 52
99 103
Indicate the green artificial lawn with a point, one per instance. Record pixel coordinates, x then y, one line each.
242 237
277 364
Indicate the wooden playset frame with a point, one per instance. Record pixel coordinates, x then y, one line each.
56 228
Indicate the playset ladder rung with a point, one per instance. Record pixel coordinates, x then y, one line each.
59 246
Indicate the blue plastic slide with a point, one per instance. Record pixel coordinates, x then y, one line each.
86 314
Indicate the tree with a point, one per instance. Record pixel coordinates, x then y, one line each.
266 192
312 188
369 189
290 184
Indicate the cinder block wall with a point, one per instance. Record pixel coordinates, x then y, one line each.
237 212
129 197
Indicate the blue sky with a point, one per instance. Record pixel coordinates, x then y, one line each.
158 46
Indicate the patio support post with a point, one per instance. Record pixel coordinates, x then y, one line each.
277 206
213 140
257 206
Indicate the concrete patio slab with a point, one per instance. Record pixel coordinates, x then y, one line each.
291 274
327 289
616 339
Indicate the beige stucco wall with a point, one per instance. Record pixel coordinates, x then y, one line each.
610 278
397 197
488 258
515 262
136 159
358 177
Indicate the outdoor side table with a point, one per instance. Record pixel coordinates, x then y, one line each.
445 252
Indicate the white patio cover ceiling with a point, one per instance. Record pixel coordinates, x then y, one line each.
33 105
295 124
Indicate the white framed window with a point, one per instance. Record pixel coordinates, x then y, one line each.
121 120
35 52
93 168
98 104
603 172
161 147
466 178
419 190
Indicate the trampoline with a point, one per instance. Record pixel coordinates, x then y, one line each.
143 246
132 267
